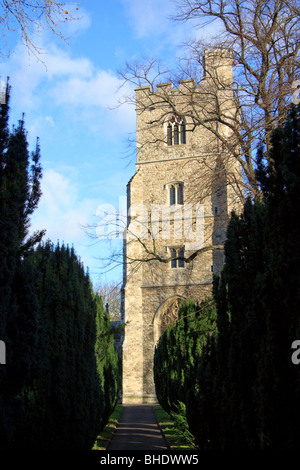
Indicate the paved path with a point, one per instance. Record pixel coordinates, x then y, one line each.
138 430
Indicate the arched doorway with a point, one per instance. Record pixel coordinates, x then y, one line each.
166 316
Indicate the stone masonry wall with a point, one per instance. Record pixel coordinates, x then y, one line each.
152 288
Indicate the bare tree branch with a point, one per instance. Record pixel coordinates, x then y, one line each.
28 18
264 39
235 87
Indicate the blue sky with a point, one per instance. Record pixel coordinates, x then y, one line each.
67 102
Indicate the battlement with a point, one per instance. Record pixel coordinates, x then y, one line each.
184 85
217 64
219 54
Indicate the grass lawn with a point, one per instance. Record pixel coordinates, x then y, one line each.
174 437
105 435
171 432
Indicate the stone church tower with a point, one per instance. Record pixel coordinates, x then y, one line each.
179 202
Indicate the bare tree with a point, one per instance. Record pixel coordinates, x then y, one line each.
28 17
263 38
236 86
111 296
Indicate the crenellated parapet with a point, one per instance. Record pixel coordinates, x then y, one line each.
170 115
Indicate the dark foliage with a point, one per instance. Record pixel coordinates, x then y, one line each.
61 379
245 392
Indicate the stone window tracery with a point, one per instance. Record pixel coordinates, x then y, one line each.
176 131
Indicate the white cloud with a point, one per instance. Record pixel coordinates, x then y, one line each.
97 90
149 16
60 64
39 125
67 216
73 85
61 212
155 19
27 73
94 101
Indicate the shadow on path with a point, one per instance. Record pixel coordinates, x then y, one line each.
138 430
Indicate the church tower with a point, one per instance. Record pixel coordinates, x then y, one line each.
179 201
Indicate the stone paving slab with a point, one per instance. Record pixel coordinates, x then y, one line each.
138 430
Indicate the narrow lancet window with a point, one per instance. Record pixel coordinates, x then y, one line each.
173 256
180 194
182 133
172 195
176 136
169 134
181 258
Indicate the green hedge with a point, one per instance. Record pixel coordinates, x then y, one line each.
236 376
178 354
74 378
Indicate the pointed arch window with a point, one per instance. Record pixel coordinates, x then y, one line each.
176 131
176 194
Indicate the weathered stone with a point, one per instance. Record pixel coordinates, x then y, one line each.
195 170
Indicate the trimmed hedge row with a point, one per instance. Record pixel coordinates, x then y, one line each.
236 375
